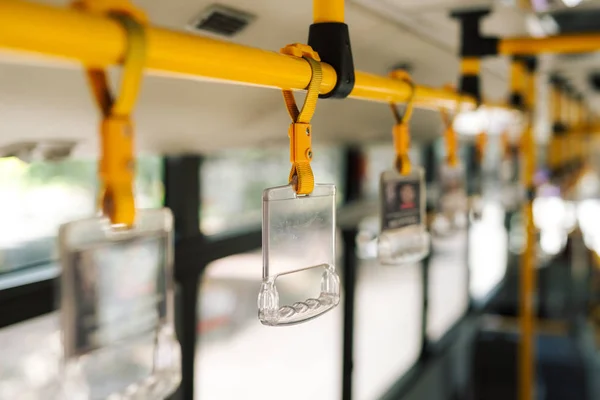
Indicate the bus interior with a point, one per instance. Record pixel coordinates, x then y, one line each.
415 218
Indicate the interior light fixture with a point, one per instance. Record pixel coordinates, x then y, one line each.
571 3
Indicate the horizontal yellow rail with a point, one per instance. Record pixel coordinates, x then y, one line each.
99 41
564 44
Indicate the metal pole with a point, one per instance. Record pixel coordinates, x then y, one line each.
182 196
354 172
528 274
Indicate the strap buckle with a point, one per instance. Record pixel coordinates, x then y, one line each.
401 130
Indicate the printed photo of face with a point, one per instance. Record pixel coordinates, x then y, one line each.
407 196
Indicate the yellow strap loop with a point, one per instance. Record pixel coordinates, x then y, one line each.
312 94
117 162
300 132
401 131
451 140
450 136
133 67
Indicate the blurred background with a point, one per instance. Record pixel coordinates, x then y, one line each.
443 328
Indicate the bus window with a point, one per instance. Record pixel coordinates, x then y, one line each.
38 197
387 326
447 286
447 290
488 247
237 357
30 356
233 182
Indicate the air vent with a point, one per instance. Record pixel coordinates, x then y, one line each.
221 20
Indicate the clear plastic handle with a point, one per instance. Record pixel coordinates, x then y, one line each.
453 204
117 302
270 313
298 235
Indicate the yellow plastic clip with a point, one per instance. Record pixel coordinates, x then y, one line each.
300 131
401 131
117 164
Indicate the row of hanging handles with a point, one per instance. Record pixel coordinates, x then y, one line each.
117 132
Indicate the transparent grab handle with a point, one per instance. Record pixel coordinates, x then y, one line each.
117 315
403 238
298 235
453 203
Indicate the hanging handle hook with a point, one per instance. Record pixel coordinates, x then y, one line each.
300 131
401 131
117 162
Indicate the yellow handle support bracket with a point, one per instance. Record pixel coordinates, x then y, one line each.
300 131
470 66
328 11
401 131
117 165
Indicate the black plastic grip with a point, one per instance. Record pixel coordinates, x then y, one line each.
469 84
332 41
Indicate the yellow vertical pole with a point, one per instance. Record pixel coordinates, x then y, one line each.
328 11
572 114
527 281
555 145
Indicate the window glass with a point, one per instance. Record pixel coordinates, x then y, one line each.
488 250
447 291
447 286
233 182
237 357
30 354
387 326
37 197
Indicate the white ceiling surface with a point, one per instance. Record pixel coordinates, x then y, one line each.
188 115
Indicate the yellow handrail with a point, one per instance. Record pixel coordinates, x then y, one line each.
564 44
99 41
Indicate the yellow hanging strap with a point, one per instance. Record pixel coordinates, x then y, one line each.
451 140
117 162
401 130
300 132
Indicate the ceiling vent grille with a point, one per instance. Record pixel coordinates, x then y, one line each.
221 20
